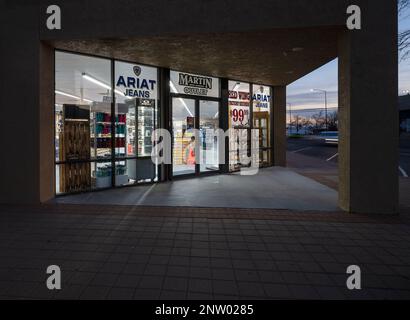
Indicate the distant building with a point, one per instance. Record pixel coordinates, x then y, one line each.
404 111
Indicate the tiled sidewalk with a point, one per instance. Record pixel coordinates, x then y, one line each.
187 253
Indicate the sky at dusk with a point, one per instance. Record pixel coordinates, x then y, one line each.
305 102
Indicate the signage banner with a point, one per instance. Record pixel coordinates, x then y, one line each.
239 115
135 81
194 84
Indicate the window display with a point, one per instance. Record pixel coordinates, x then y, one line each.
104 126
80 138
93 143
239 118
146 125
261 121
184 139
136 96
208 124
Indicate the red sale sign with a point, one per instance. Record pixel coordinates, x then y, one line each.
239 115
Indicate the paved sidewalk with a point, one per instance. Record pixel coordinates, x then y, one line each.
272 188
120 252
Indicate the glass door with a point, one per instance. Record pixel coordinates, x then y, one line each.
208 124
183 135
261 123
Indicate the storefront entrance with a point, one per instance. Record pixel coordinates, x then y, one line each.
195 146
107 110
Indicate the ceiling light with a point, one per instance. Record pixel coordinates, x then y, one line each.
101 84
72 96
186 107
67 95
173 89
236 87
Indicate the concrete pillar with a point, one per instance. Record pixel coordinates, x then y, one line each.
368 115
46 129
27 104
279 126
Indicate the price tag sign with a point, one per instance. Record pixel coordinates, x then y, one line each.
239 116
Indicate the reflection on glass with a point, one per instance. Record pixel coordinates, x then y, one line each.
208 125
183 125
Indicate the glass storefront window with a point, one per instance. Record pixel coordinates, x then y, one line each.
98 141
261 97
184 139
86 130
239 104
208 139
78 99
136 116
239 118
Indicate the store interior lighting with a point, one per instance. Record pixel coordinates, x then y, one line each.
236 87
173 89
61 93
101 84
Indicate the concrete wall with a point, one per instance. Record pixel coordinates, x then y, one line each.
19 101
368 115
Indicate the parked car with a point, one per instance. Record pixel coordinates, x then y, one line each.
330 137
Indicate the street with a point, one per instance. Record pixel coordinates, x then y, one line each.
316 148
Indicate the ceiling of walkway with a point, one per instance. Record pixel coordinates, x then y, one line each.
272 57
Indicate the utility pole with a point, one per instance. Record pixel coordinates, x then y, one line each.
325 92
297 124
290 117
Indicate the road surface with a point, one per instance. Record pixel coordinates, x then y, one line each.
316 148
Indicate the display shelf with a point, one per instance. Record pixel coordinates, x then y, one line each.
74 142
145 126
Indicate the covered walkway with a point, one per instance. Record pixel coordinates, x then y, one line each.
271 188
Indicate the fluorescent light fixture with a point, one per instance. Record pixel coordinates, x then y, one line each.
101 84
98 82
72 96
173 89
236 87
67 95
186 107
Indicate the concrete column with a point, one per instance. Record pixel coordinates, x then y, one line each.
27 105
46 106
279 126
368 115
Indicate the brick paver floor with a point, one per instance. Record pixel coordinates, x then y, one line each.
115 252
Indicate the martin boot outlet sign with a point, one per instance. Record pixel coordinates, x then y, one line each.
193 84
